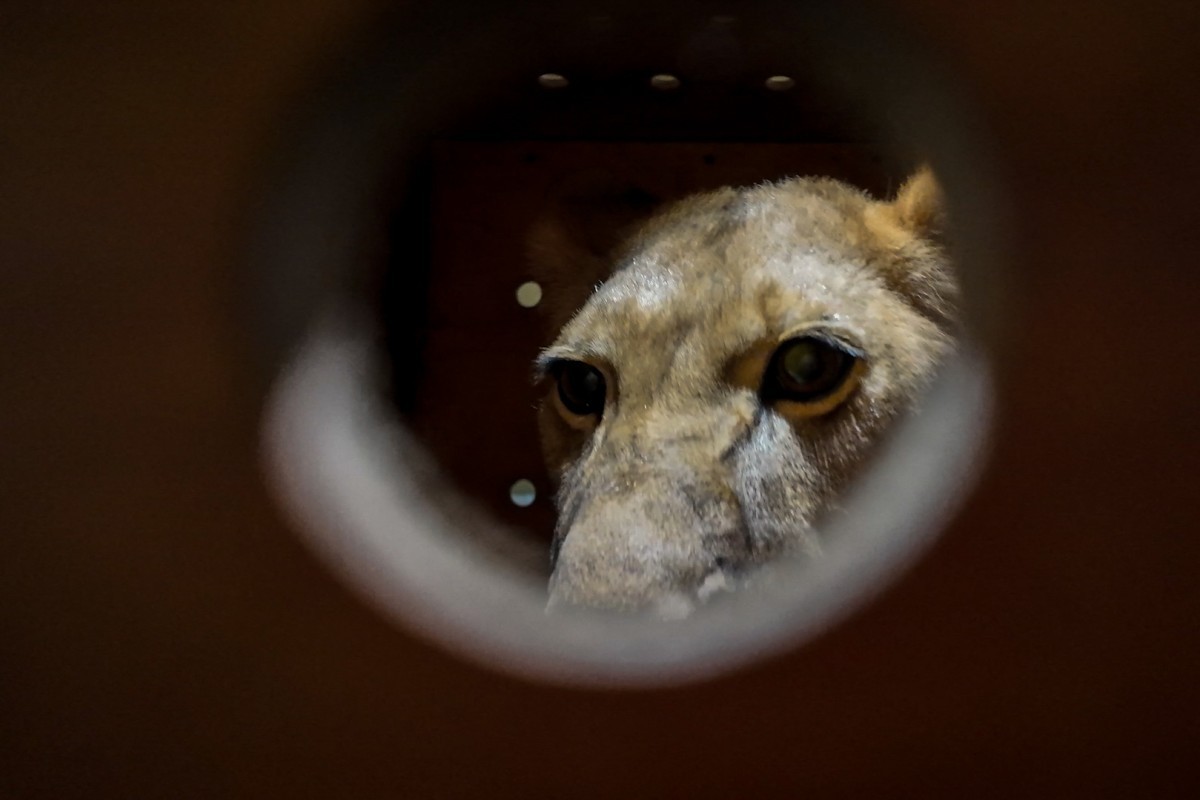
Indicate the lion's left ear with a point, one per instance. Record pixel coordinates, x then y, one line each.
911 230
919 206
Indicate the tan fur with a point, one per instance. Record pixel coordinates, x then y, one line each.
689 478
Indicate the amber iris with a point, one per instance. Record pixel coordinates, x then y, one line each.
807 369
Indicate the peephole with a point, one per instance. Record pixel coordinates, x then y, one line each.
445 218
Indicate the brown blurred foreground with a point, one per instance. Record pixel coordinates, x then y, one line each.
163 634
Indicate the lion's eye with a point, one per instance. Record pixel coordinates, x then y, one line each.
580 388
808 369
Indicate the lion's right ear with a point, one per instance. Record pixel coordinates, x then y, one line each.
571 246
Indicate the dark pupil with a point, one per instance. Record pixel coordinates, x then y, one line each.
581 388
808 368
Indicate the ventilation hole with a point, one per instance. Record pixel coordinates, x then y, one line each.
529 294
369 483
709 158
522 493
552 80
665 82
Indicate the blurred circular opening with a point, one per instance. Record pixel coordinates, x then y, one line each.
382 467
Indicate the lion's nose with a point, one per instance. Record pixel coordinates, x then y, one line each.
613 559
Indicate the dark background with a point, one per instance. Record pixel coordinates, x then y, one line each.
162 633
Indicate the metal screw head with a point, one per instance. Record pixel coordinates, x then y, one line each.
552 80
665 82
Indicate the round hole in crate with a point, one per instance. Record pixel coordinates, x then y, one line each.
522 493
529 294
405 400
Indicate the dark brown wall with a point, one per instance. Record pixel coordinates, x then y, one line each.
163 634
